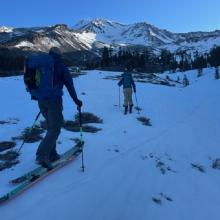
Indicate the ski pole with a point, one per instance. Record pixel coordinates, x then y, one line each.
138 109
119 96
29 132
81 137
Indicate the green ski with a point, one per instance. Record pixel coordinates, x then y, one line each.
27 180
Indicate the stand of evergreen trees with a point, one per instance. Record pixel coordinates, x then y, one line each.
214 56
140 61
11 61
166 61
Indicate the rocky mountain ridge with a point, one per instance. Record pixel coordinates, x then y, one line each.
91 36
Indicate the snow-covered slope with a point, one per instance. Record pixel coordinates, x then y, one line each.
195 41
132 171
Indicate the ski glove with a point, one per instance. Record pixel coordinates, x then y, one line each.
134 90
79 103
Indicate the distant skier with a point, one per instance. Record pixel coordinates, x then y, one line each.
50 75
128 83
216 72
199 72
185 81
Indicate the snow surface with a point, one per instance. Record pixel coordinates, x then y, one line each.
87 38
122 178
25 44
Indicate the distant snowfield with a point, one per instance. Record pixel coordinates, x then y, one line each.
133 172
203 45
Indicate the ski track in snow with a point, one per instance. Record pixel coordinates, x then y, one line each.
125 160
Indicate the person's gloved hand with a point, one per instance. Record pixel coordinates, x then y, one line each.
134 90
79 103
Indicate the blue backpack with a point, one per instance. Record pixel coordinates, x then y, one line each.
39 76
127 80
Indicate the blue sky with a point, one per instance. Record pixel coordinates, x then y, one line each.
173 15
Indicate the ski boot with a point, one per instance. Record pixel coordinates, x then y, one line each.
130 109
126 110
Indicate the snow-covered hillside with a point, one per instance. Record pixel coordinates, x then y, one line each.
133 171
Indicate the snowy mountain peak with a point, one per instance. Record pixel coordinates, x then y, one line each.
97 22
60 26
110 32
101 22
96 25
